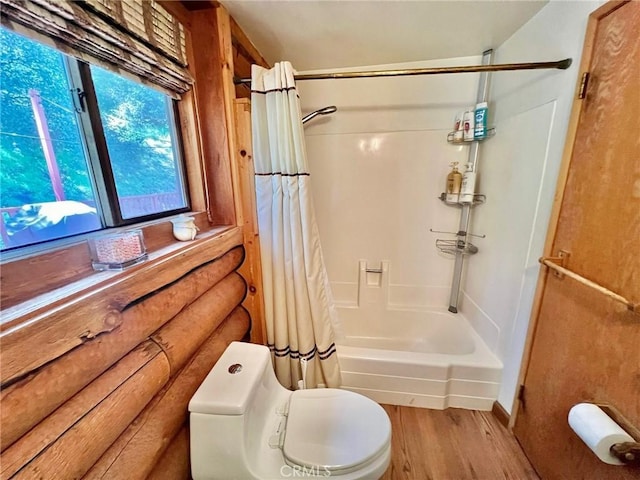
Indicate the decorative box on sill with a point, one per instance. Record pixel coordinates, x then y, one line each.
117 251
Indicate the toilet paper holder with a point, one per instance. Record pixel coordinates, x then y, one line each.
627 452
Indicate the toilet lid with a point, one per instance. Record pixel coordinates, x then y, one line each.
334 429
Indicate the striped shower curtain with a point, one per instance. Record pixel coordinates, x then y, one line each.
298 305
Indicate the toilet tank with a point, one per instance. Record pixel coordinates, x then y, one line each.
231 384
231 414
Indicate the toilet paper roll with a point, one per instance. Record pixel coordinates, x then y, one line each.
597 430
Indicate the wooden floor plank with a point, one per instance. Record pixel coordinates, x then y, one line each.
453 444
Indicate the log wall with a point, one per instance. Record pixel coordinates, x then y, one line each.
115 405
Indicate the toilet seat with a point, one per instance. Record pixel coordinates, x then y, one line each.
334 430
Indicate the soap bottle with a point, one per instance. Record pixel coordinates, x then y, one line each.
468 185
454 182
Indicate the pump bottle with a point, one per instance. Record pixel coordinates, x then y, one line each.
468 185
454 181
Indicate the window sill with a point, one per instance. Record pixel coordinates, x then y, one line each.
30 276
34 307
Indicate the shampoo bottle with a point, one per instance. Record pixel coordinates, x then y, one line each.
480 128
454 182
458 131
468 125
468 185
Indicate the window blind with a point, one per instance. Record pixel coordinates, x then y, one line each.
136 38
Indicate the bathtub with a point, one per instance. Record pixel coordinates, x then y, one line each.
431 359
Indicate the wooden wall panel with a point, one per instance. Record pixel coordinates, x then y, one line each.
251 269
192 148
81 446
244 55
210 104
225 47
27 402
134 455
242 69
54 426
245 46
174 462
191 327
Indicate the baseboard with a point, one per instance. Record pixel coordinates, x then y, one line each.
501 414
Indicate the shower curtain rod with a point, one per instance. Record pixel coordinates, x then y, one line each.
561 65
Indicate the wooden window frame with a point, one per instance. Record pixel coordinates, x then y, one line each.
207 177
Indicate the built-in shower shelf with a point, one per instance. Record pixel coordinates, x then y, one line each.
453 247
478 199
459 141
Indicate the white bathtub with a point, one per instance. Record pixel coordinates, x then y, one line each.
431 359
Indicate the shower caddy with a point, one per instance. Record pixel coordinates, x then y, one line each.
452 247
461 246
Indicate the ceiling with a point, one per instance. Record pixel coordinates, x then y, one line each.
324 34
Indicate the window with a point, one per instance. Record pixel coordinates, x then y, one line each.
81 148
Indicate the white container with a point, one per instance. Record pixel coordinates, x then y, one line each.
480 128
468 185
468 124
184 228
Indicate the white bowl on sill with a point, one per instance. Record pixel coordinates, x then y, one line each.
184 228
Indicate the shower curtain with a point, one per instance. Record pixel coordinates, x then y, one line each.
298 305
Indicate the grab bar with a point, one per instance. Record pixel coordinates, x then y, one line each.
549 262
373 270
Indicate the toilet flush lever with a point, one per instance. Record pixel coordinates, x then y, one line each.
283 409
277 439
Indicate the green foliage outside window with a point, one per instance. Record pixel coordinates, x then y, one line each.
23 170
136 122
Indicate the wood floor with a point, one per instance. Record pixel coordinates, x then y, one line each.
453 444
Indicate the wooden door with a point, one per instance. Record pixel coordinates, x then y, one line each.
586 346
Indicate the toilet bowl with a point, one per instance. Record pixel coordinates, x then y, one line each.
245 425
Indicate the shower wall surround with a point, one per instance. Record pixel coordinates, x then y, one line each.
378 166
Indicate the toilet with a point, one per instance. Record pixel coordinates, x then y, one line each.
245 425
